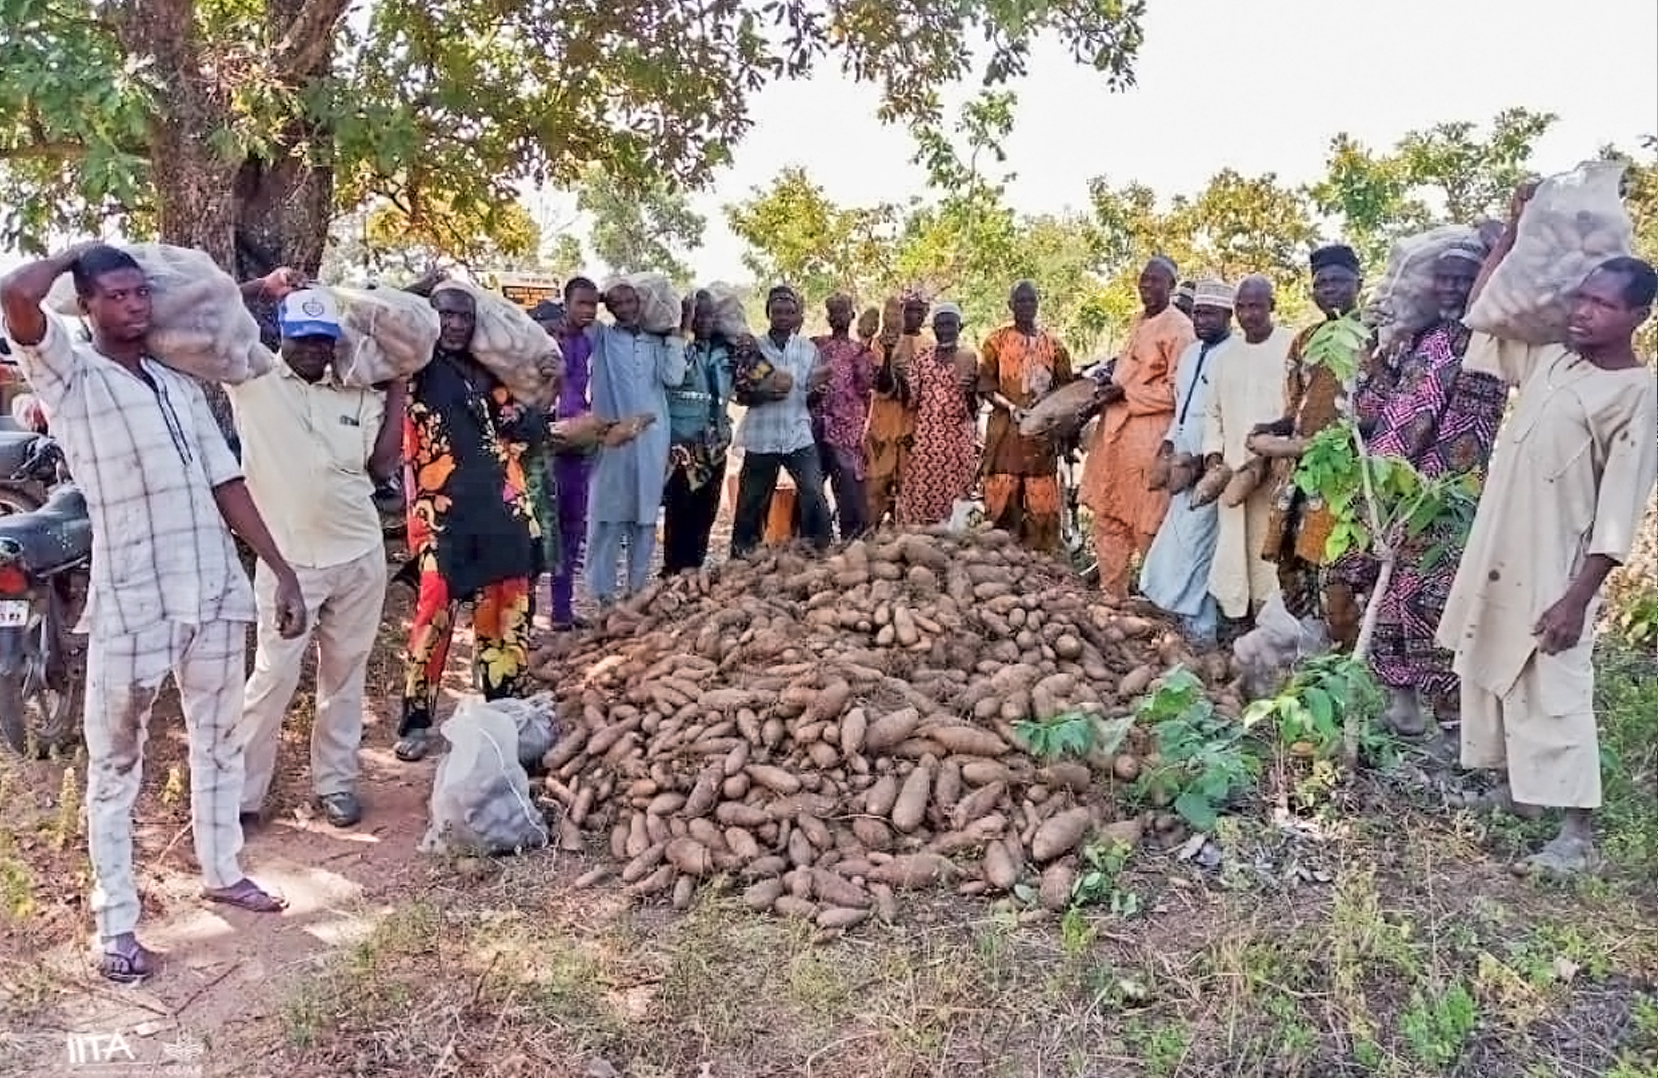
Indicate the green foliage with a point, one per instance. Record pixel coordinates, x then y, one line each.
1205 760
647 228
1097 883
1447 172
1339 344
1406 504
796 235
1323 694
454 103
1070 734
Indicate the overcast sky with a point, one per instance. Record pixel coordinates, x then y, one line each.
1224 84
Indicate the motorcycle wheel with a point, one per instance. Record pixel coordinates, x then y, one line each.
37 721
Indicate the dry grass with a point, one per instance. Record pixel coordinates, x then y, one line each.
1417 957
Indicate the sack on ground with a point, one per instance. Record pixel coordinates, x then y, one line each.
198 322
1403 302
537 721
388 334
730 320
481 795
1267 654
510 345
1572 224
660 310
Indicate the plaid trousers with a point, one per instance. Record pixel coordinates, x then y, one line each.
124 675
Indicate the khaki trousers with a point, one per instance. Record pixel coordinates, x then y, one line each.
123 677
343 605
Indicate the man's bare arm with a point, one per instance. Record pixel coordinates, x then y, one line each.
23 289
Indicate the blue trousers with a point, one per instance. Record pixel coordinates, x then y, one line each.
605 541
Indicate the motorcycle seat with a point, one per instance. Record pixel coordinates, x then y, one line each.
57 534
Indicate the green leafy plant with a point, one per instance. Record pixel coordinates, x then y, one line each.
1070 733
1379 504
1338 344
1097 884
1204 760
1312 710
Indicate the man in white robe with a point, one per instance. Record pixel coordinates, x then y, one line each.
1244 392
1175 575
1570 477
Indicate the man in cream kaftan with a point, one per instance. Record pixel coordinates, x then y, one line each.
1244 392
1570 477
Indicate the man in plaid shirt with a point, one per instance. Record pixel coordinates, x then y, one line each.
168 593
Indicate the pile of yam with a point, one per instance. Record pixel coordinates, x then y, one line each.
827 732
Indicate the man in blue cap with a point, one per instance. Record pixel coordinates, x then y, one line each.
313 449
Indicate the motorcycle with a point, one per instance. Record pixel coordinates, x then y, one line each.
45 569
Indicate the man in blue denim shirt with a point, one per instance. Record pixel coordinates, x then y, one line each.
699 422
777 431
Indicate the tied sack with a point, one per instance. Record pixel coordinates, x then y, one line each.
730 320
481 794
388 334
198 323
510 345
1403 303
1572 224
659 305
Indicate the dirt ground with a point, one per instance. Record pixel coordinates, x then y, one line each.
1382 936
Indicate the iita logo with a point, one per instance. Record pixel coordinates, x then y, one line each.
120 1054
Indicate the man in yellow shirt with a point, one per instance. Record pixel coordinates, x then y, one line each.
312 450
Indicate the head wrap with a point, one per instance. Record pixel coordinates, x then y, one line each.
1166 263
1336 254
1213 293
1469 250
1186 290
947 308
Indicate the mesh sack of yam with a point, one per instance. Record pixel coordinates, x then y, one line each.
1403 301
198 322
388 333
659 305
507 341
481 800
730 320
1573 223
1059 414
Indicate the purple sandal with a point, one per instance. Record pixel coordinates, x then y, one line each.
125 961
244 894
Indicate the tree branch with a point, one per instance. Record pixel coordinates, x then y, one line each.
308 43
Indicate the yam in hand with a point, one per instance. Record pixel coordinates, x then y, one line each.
1276 446
1210 486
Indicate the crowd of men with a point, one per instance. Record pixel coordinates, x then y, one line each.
1494 638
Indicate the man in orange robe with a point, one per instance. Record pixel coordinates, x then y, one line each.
891 432
1139 402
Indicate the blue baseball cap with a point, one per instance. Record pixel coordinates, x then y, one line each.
309 312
